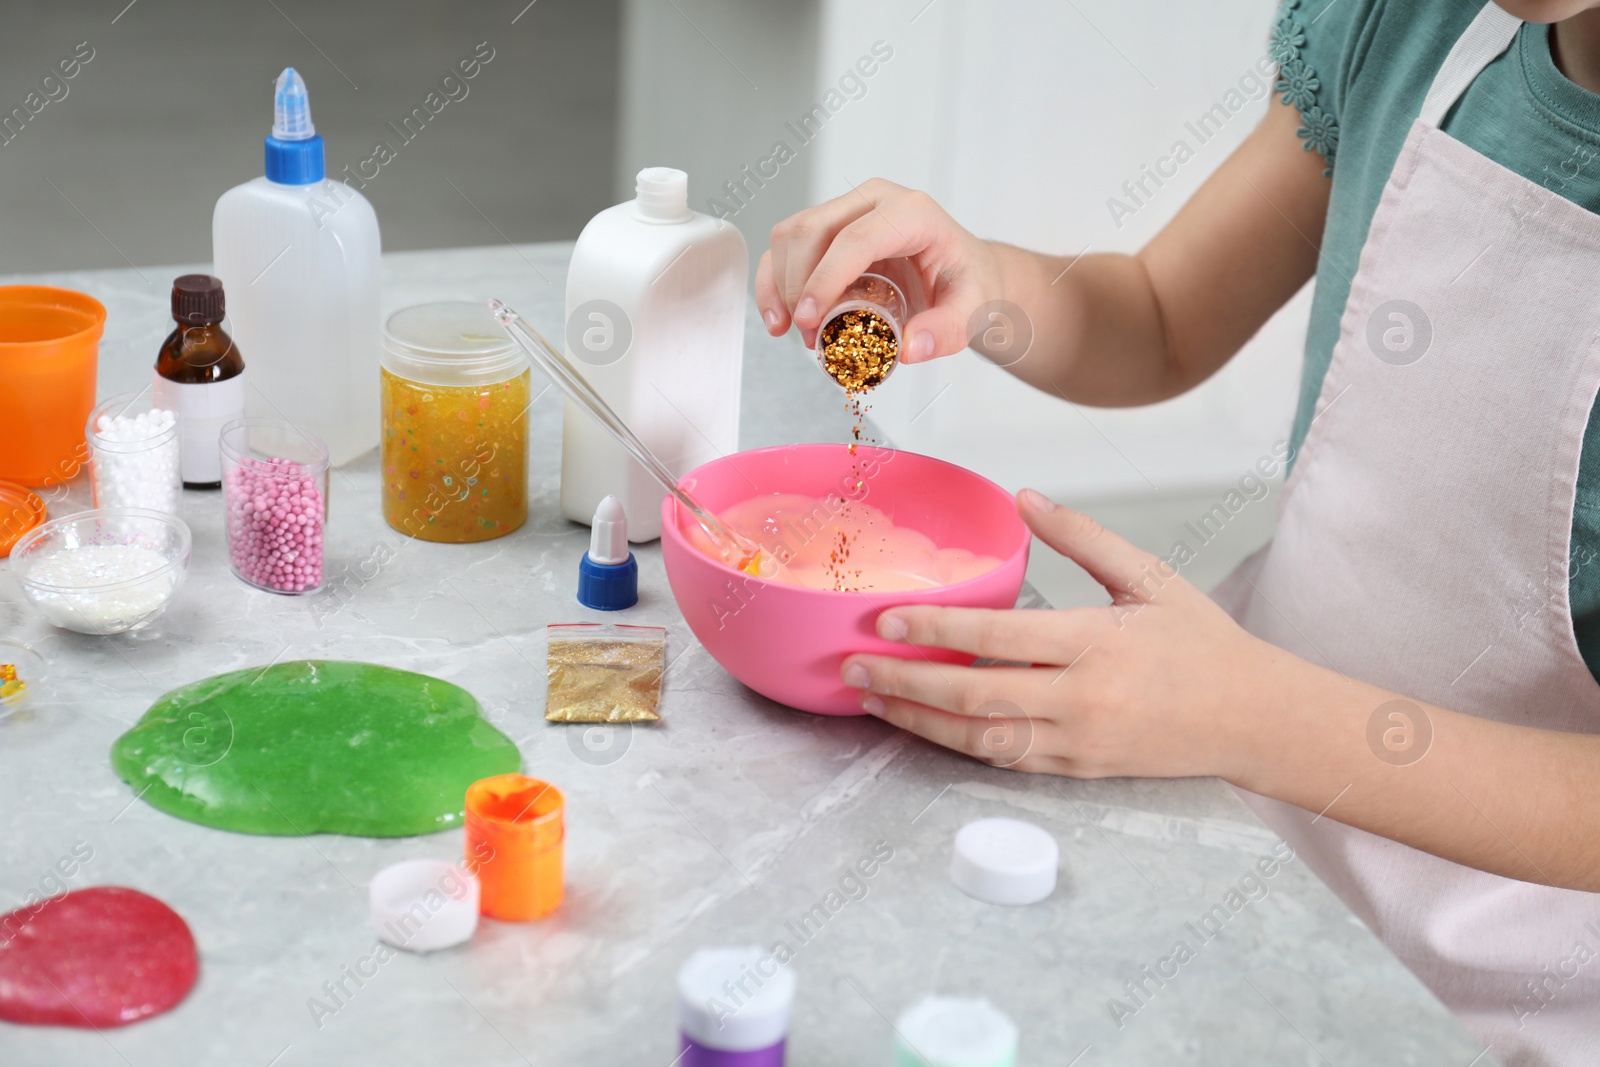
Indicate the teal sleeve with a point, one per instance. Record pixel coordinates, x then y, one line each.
1318 45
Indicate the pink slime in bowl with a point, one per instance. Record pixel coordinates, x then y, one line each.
787 642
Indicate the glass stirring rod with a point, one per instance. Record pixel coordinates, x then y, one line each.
736 550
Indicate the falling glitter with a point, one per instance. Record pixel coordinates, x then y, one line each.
858 349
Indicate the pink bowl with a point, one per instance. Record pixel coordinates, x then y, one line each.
788 642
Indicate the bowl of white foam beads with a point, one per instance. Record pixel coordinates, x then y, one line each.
135 449
104 571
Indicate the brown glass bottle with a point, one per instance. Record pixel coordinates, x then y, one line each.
200 375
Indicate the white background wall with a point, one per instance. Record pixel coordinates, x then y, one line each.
1022 118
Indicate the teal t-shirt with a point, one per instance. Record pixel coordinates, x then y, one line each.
1357 71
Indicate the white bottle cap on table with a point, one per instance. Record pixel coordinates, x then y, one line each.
1005 861
955 1032
424 905
735 999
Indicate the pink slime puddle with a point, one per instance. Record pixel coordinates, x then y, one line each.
97 957
800 533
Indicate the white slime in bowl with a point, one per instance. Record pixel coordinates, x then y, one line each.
81 588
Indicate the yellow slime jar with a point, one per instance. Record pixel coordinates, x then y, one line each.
455 424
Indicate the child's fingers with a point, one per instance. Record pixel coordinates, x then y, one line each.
1129 573
801 240
773 311
940 330
856 247
1012 740
960 690
1056 636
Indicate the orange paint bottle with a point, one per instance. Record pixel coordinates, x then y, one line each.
515 828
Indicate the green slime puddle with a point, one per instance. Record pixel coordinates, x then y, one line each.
314 746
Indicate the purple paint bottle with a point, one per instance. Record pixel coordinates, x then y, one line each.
733 1008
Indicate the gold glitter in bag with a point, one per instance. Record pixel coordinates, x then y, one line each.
604 672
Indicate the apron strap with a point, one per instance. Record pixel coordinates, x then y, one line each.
1488 35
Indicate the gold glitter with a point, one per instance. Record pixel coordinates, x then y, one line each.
846 580
858 349
604 674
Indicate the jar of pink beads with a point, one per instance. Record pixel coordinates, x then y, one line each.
275 489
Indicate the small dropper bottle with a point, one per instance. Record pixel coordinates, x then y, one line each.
860 340
608 575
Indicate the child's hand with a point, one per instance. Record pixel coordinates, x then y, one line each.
1160 683
818 252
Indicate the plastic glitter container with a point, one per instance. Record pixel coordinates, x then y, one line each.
455 400
860 341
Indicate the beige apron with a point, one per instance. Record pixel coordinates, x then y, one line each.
1422 546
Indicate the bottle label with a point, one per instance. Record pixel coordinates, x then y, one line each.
203 409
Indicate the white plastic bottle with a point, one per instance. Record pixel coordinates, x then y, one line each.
298 255
655 321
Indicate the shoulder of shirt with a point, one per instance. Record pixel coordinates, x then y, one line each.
1327 50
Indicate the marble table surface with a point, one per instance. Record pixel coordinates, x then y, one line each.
729 822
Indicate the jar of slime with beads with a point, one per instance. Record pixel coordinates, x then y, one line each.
455 424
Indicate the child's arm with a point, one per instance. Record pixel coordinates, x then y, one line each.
1109 329
1164 684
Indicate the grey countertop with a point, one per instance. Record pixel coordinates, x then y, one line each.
725 823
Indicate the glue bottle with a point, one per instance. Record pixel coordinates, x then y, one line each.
655 321
298 254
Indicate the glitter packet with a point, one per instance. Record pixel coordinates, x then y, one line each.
604 672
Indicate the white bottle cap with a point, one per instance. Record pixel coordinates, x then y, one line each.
1005 861
955 1032
424 905
608 533
291 108
734 999
662 194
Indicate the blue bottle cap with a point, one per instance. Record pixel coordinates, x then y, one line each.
608 586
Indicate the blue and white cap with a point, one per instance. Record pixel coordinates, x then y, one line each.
294 150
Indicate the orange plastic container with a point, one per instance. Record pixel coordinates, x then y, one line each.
49 348
515 827
20 511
